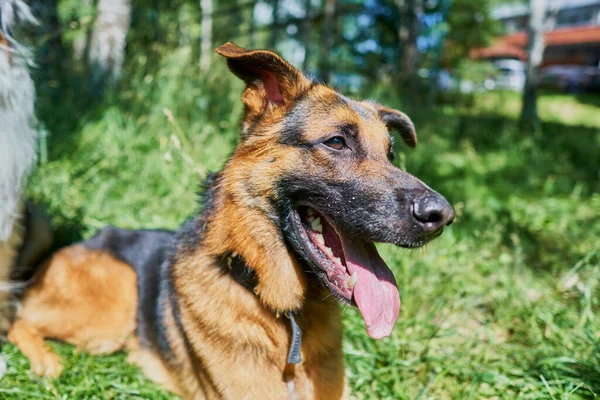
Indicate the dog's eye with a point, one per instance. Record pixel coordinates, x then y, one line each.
337 143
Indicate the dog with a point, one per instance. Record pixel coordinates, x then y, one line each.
24 231
243 301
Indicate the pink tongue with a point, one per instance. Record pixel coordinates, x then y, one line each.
375 293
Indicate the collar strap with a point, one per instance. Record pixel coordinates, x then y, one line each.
245 276
294 356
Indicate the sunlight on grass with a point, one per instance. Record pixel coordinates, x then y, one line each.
562 108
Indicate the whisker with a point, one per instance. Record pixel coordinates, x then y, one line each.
328 296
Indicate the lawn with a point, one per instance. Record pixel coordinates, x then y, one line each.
503 306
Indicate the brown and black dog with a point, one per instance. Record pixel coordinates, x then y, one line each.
221 305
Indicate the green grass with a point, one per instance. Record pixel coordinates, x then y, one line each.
503 306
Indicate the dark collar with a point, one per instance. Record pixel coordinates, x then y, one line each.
245 276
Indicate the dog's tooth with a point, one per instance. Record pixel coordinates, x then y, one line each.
329 251
316 225
352 280
337 260
320 239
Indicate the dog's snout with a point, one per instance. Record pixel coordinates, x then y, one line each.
433 212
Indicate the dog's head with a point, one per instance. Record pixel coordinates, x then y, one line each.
312 186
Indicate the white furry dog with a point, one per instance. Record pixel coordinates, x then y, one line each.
17 132
21 231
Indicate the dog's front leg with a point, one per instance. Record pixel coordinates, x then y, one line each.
44 361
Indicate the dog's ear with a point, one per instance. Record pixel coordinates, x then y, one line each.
269 78
399 121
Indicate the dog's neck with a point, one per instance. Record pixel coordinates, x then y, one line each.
217 287
238 220
243 275
232 236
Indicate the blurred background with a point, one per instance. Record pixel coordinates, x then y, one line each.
135 107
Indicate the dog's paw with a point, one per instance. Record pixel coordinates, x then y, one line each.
48 366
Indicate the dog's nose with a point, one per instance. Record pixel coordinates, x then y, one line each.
433 212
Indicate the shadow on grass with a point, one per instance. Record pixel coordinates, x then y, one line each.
574 148
589 98
586 373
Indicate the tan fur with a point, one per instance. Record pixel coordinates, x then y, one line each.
153 366
79 296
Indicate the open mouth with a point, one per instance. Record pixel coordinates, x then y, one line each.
351 269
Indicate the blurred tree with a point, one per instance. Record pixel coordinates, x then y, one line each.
236 20
306 26
328 39
541 19
535 52
369 34
275 26
51 53
252 26
206 42
408 32
352 44
81 45
470 26
107 45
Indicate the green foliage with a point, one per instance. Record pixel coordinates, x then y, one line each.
474 70
84 377
470 26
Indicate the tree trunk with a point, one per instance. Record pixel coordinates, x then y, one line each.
306 26
275 26
236 17
107 46
252 27
51 56
183 31
408 32
330 6
535 52
207 28
81 44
